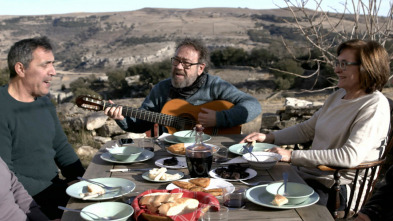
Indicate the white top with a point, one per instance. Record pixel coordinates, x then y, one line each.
345 133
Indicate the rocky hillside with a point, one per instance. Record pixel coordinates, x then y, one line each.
87 41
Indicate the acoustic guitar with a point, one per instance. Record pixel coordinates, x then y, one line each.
176 115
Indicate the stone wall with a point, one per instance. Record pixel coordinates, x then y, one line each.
294 111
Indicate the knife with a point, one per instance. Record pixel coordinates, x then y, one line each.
129 170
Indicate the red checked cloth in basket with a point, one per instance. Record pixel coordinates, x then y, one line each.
205 199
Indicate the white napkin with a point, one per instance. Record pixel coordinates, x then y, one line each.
114 149
163 135
235 161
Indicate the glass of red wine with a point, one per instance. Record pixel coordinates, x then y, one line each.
236 199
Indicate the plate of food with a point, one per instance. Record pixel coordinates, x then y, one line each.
87 191
179 149
233 172
173 139
146 155
172 162
162 175
260 196
204 184
258 147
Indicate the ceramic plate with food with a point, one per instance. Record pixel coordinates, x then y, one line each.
260 196
172 162
77 189
214 184
173 139
216 173
171 175
179 149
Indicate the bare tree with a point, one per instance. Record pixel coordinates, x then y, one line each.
324 30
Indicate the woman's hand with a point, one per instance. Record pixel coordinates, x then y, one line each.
259 137
286 154
114 112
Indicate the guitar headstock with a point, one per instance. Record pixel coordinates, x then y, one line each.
90 102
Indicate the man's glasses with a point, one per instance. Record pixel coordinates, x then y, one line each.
343 64
186 65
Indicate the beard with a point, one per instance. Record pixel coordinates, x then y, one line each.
185 81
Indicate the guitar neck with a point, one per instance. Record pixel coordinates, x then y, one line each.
151 116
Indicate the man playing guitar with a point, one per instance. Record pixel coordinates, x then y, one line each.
190 82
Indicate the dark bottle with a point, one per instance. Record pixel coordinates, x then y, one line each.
199 156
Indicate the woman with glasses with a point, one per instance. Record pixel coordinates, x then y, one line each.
352 125
191 82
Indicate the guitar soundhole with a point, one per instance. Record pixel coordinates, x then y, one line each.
187 122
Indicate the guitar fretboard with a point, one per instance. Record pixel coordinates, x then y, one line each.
155 117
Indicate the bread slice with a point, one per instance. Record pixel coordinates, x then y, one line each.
95 189
178 148
197 189
215 191
183 184
203 182
179 206
279 200
156 199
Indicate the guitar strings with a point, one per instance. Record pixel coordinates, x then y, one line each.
165 119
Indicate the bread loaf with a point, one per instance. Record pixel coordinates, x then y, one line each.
156 199
179 206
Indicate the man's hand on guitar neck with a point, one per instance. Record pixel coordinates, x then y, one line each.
207 117
114 112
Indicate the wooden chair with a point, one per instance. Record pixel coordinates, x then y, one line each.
371 170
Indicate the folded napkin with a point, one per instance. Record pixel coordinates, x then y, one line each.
235 160
163 135
114 149
205 199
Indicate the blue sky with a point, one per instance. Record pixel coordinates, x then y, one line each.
41 7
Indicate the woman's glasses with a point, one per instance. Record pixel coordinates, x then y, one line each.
343 64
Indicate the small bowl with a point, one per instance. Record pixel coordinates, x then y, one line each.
266 160
128 152
116 210
296 192
185 136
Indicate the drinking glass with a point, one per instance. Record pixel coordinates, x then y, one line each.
221 155
212 214
146 143
237 199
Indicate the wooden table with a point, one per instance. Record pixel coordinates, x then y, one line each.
100 168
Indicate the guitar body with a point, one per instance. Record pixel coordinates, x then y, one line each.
176 114
183 109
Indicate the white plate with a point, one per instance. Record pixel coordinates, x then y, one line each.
258 147
81 187
146 176
252 173
180 164
146 155
260 196
215 147
172 139
214 183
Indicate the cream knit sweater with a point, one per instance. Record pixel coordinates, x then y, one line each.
344 132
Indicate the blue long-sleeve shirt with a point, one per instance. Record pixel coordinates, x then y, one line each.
245 108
